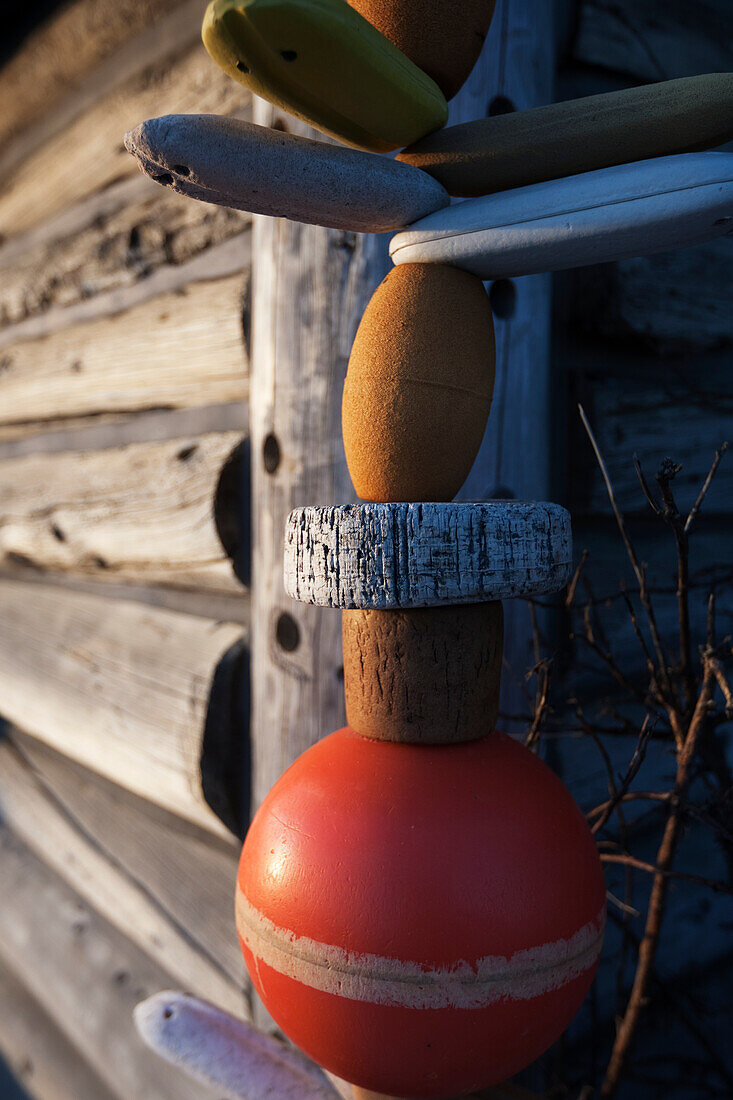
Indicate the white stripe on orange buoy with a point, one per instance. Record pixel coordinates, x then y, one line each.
380 980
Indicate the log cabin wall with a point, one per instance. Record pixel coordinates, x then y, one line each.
124 393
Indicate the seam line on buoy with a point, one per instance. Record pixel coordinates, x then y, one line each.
378 979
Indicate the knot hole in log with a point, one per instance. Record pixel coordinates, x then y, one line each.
503 299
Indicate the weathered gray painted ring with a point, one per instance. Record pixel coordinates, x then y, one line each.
421 555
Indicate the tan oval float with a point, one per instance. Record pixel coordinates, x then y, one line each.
443 39
418 389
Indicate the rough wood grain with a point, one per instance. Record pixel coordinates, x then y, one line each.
183 870
424 555
88 154
228 258
145 513
177 350
65 49
310 287
42 1059
96 860
119 431
673 303
116 239
166 38
205 605
427 676
85 974
124 688
652 41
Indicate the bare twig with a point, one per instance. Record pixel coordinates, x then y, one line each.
631 796
668 470
639 572
723 684
705 486
627 860
644 487
570 594
655 912
637 760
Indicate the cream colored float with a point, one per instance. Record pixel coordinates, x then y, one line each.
596 217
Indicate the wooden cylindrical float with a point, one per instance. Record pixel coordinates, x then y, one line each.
427 675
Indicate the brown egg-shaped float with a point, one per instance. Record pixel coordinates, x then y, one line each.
418 389
426 675
444 40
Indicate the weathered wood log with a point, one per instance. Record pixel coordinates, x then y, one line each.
692 402
169 37
125 688
310 287
119 238
44 1062
146 513
672 304
165 353
88 154
230 257
650 41
426 555
64 50
85 975
139 870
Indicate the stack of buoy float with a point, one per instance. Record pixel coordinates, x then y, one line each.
420 903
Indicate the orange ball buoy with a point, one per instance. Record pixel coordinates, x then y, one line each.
422 921
419 384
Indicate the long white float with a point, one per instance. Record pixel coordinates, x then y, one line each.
596 217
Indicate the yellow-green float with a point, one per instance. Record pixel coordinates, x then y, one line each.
324 63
